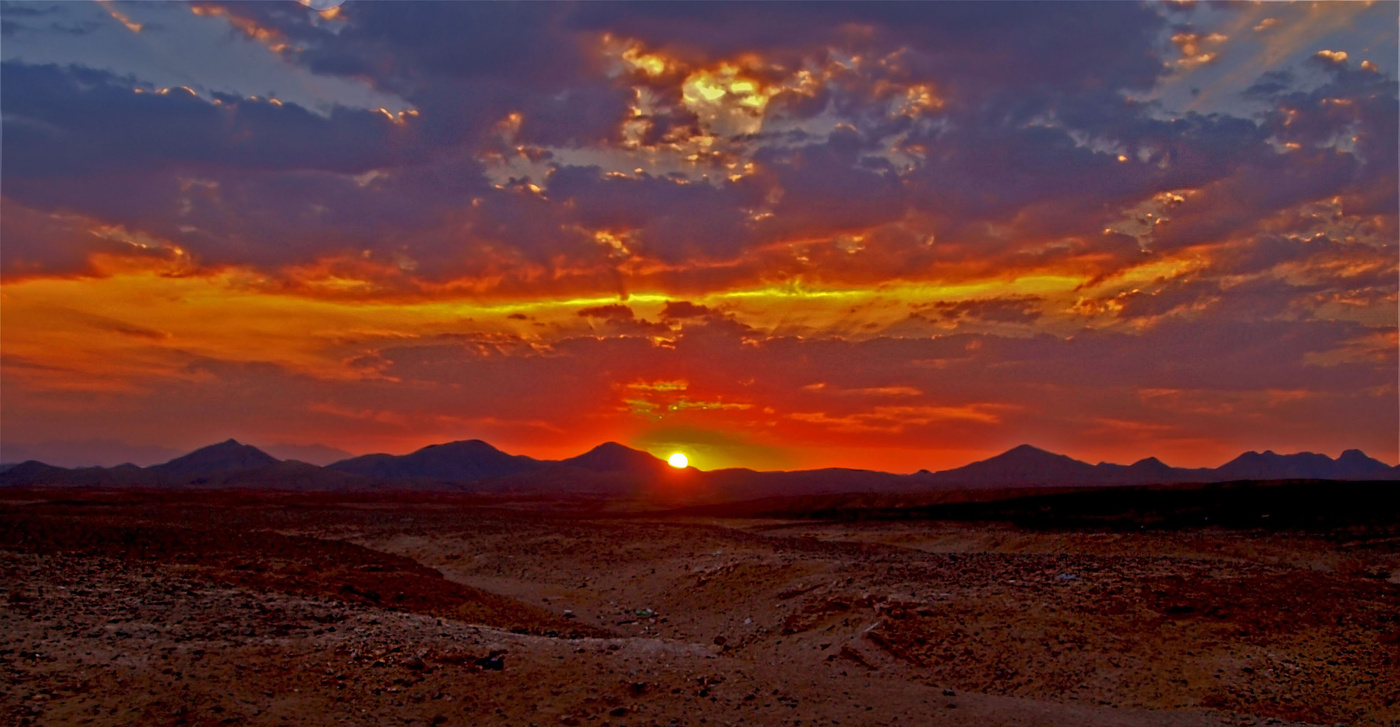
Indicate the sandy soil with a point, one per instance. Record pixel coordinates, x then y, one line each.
254 611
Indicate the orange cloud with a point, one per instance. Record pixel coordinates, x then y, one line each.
272 38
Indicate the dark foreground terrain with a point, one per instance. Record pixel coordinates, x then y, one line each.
239 608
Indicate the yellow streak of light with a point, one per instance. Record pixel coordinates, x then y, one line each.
269 37
137 323
397 119
119 16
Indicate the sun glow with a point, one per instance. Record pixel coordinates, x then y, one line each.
678 460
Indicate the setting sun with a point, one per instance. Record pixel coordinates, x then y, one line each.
445 284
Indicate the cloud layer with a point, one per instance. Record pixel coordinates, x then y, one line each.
883 235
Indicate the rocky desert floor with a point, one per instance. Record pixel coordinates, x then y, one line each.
233 608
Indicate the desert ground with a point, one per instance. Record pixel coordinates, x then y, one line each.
241 608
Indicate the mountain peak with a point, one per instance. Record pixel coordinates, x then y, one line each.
224 456
462 444
1026 453
1022 464
613 448
614 457
1355 462
469 459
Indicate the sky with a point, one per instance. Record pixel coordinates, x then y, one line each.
772 235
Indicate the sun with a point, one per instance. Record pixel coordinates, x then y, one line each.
678 460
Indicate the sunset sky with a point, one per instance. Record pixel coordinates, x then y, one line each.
778 235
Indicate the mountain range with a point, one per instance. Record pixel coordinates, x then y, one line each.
1027 465
614 469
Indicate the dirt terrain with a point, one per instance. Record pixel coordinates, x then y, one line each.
235 608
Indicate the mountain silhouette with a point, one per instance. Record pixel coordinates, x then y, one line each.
613 469
37 473
455 461
1142 472
1022 465
317 454
1353 464
225 456
614 457
1025 466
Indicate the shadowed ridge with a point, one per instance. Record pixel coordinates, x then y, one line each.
470 459
1146 471
1267 465
1022 464
614 457
226 456
1355 463
34 472
31 470
609 469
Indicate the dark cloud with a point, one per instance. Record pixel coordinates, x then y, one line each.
676 309
27 9
70 121
975 46
673 222
406 44
1354 115
1007 309
615 311
36 17
1022 154
826 189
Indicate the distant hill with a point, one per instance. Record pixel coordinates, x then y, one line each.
1022 465
317 454
1352 465
84 453
614 457
1026 466
609 470
216 458
226 464
1143 471
455 461
38 473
